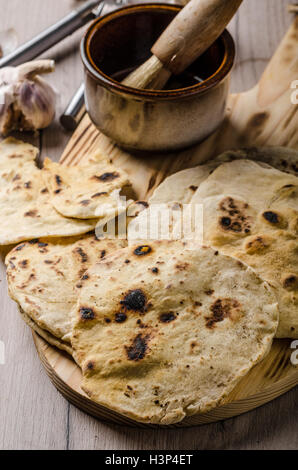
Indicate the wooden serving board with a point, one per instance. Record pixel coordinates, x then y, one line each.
263 116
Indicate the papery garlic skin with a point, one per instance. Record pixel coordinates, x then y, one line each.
27 101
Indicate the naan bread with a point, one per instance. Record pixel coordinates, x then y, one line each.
25 209
281 158
180 187
87 191
44 276
169 196
162 332
58 343
251 212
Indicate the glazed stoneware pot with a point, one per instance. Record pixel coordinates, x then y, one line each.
190 109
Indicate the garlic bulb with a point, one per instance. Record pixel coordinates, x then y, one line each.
27 101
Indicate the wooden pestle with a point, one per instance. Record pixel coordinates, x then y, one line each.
187 37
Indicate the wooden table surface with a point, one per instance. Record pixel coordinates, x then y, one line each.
33 415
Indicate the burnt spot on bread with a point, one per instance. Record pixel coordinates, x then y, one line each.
290 282
90 365
85 277
209 291
15 155
87 313
107 320
141 324
134 300
11 265
225 222
58 180
127 261
81 272
193 187
82 254
96 195
24 263
42 244
44 191
106 177
138 348
34 241
167 317
155 270
142 250
28 185
221 309
32 213
182 266
103 254
20 247
257 244
17 177
85 202
120 317
271 217
234 216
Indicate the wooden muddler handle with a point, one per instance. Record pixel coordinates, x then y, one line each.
193 31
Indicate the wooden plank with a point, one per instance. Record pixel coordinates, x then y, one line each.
37 416
257 30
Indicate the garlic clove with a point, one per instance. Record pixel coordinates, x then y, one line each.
36 67
36 100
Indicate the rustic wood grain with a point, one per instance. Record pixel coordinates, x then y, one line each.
32 414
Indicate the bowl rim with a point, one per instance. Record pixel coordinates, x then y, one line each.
105 80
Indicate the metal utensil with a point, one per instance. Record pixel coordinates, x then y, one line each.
54 34
75 110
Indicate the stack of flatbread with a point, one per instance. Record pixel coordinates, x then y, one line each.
42 206
55 201
160 329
